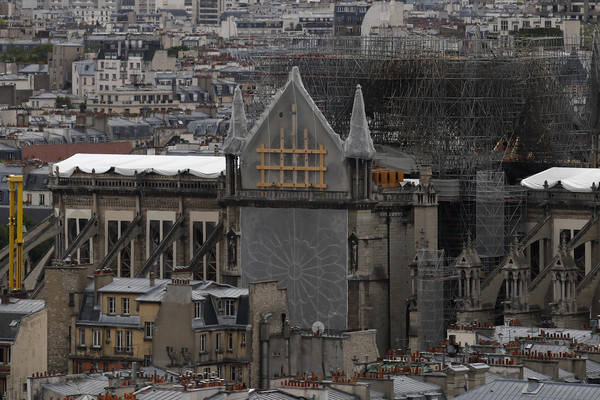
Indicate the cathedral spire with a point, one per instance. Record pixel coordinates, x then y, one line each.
359 143
238 130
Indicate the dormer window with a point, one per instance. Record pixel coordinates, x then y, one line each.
230 307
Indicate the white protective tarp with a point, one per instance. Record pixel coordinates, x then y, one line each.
572 179
128 165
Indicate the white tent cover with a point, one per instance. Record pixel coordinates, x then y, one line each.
572 179
128 165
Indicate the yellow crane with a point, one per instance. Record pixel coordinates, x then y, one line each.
15 274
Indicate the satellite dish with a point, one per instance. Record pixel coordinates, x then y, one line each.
318 327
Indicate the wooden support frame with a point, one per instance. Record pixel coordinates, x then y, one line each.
298 180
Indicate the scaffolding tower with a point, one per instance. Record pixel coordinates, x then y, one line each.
499 211
436 287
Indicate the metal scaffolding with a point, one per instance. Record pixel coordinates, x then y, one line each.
517 105
436 286
499 211
459 105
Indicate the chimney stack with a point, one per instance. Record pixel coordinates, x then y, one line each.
101 278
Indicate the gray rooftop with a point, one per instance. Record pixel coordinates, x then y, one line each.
493 376
85 67
512 332
230 293
530 373
568 376
334 394
132 285
405 385
270 395
22 306
521 390
544 348
592 368
91 384
160 394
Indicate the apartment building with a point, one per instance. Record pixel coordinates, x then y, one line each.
348 17
114 329
134 100
23 349
584 11
60 63
178 323
204 325
84 78
510 24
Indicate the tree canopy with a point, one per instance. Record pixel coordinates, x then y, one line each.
39 54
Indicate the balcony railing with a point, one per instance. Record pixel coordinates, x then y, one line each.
152 182
282 194
123 350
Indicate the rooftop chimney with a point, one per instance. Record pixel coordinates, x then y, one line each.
101 278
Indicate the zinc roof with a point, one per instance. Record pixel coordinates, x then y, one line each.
154 296
565 375
493 376
159 372
160 394
530 373
544 348
270 395
512 332
9 325
334 394
521 390
405 385
217 396
376 395
131 285
92 384
221 293
22 306
592 367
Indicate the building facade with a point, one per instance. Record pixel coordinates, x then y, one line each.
23 349
60 61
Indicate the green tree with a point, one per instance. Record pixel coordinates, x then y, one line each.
174 51
39 53
63 102
587 34
36 55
